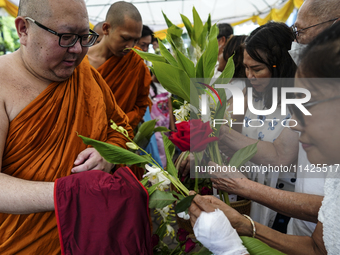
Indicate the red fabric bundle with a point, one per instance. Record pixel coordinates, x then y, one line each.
99 213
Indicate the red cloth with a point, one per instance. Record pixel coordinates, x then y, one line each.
99 213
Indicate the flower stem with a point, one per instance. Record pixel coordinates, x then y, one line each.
196 174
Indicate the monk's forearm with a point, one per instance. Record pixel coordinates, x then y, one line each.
287 244
19 196
297 205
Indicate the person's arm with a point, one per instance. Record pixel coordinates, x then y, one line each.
293 204
19 196
288 244
283 151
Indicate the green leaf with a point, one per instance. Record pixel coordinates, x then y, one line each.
213 32
150 56
180 196
243 155
145 130
168 22
203 38
194 98
184 204
228 71
153 188
161 231
160 199
220 109
256 247
173 79
175 31
161 129
199 68
210 58
189 29
166 54
169 149
209 23
115 154
144 182
178 42
185 64
198 25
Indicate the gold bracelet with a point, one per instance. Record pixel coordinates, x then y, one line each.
252 223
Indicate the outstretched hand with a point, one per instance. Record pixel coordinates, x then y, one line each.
209 204
231 180
90 159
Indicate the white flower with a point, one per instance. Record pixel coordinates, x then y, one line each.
183 215
156 175
164 212
182 114
170 230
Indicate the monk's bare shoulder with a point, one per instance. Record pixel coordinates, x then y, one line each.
16 86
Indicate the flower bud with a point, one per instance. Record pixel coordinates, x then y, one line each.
132 146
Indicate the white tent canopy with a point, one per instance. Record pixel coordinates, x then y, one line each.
221 10
230 11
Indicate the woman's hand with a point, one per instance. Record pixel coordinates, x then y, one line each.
210 203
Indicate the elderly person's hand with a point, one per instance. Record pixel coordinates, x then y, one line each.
231 181
184 167
208 217
210 203
90 159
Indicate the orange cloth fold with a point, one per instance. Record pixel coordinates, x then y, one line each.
129 79
42 144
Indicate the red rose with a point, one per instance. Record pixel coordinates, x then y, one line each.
181 138
206 191
192 135
182 235
189 245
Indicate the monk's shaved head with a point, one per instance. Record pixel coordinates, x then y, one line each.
121 10
36 9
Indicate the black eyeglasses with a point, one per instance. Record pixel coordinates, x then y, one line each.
298 115
67 40
297 32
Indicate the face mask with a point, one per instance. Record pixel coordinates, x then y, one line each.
296 50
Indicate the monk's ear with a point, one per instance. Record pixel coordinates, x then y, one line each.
21 25
106 27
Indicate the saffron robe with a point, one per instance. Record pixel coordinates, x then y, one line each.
99 213
129 79
42 144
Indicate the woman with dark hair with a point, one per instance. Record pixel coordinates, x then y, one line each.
268 66
320 139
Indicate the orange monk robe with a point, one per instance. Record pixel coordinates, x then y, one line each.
129 79
42 145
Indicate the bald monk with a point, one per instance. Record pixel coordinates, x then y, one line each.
48 93
99 30
123 70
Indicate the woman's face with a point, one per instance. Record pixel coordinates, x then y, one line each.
320 136
257 73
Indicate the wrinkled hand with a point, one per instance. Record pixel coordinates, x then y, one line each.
209 204
90 159
184 168
229 181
